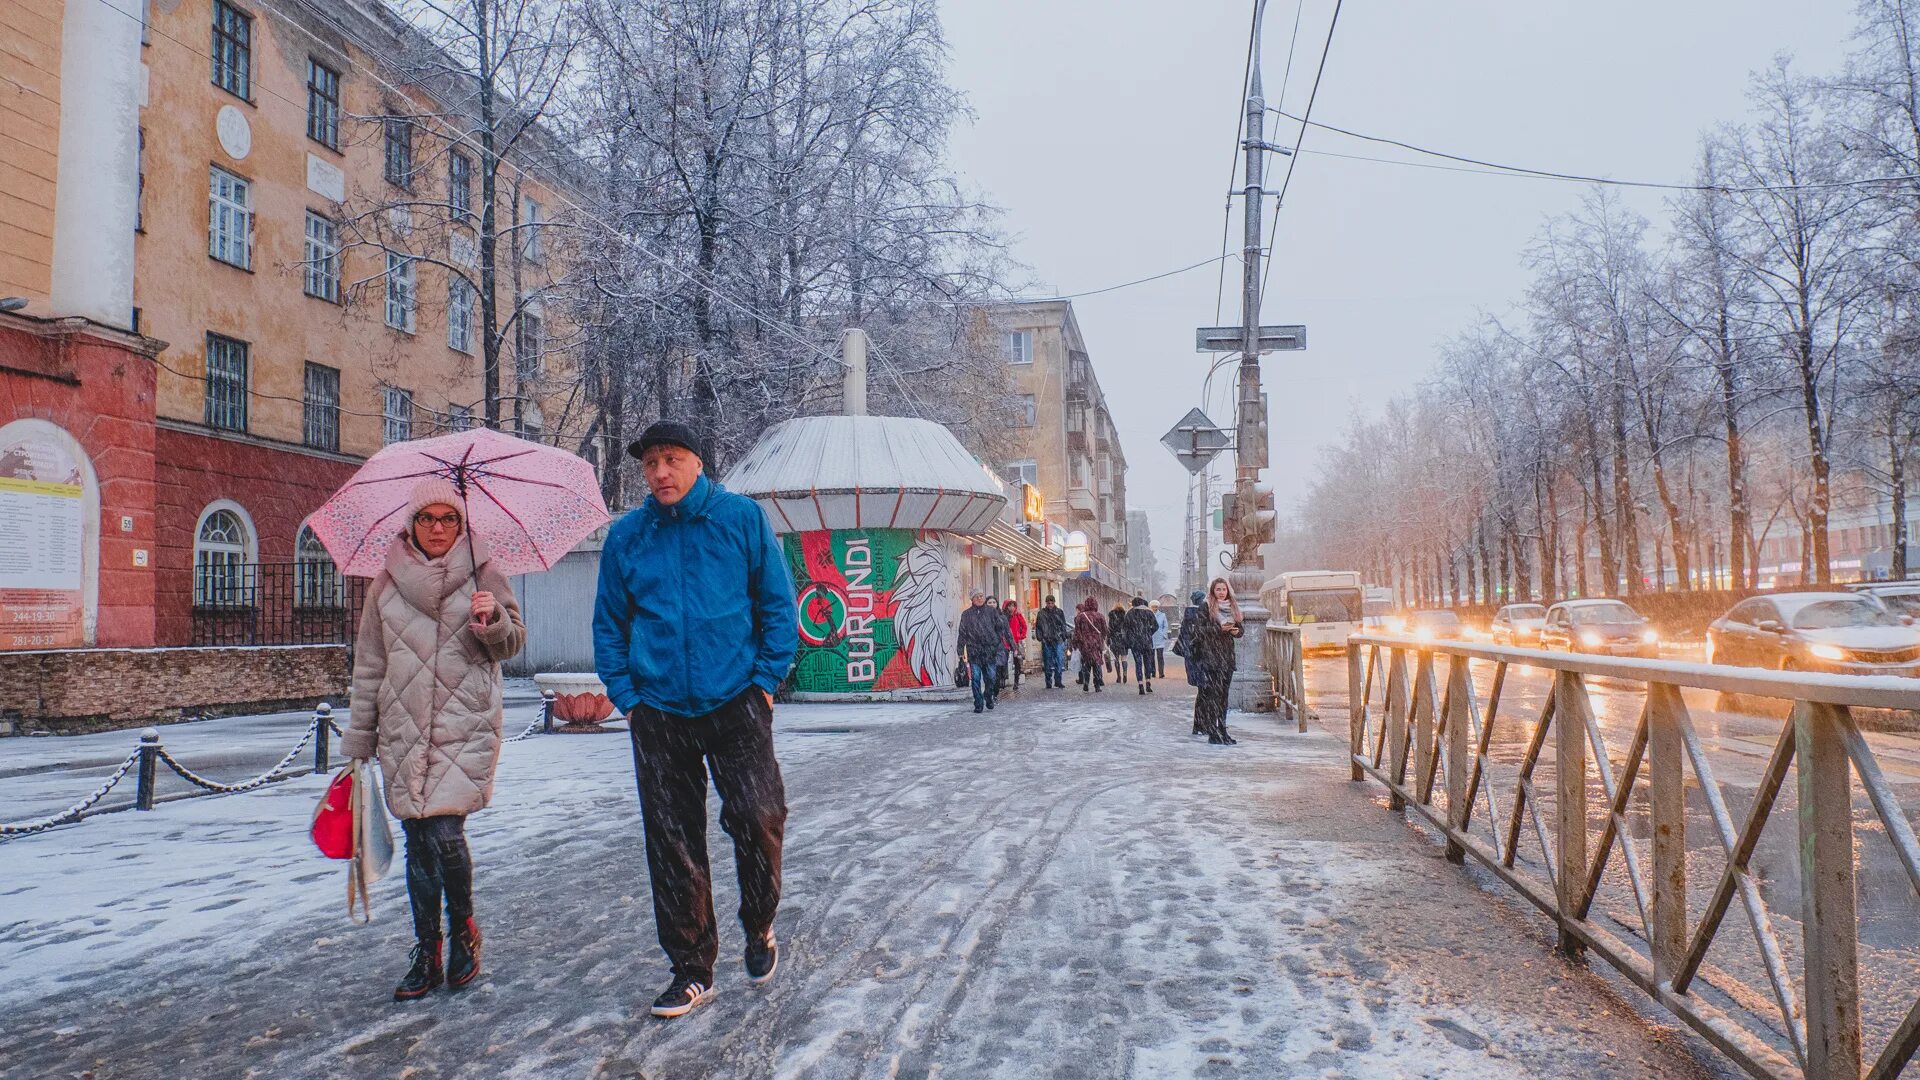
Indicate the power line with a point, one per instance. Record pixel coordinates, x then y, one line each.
1491 168
1313 95
1233 167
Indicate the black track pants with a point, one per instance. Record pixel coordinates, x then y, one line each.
438 864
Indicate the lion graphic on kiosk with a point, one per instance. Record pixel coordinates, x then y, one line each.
923 611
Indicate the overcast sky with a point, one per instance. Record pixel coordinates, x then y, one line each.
1105 128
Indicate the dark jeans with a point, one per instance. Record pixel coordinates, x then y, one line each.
1160 662
672 757
438 864
1143 664
1053 661
985 682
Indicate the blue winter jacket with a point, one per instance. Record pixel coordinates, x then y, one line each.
695 603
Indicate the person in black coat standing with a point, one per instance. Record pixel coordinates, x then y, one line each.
1050 626
1183 648
1141 626
1117 642
1210 634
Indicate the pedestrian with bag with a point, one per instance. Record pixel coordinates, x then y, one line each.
1159 640
694 628
983 636
1183 648
1140 630
1210 647
1050 626
1090 637
1000 657
1117 643
1017 631
437 623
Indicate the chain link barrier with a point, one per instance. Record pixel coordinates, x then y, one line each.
77 810
278 772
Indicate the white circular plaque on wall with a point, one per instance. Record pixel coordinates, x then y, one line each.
236 135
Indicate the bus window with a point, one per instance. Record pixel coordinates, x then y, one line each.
1323 605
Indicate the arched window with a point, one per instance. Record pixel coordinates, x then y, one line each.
316 581
222 559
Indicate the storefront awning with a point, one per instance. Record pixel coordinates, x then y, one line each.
1021 546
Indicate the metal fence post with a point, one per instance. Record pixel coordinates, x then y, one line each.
1423 727
1570 801
1459 708
149 763
1828 894
322 733
1298 666
1396 720
1667 808
1356 711
546 711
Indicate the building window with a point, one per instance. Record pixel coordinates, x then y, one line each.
1025 411
323 258
459 418
396 414
530 342
399 167
226 383
140 180
531 422
460 184
232 50
322 407
316 581
460 297
400 294
530 220
1018 346
323 104
1023 472
230 219
222 561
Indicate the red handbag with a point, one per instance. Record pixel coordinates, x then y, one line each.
333 818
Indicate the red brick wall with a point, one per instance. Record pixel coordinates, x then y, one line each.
277 487
69 691
97 385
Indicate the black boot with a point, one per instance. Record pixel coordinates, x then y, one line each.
463 955
424 976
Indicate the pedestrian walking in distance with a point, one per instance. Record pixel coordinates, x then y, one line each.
1183 648
1017 630
983 639
1141 626
1159 640
1090 638
1210 646
438 621
1006 646
693 630
1117 642
1050 626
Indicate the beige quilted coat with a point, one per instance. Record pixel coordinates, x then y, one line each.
426 681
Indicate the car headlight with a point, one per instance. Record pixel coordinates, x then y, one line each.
1396 624
1828 652
1589 639
1423 633
1650 636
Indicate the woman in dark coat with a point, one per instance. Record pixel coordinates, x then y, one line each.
1210 634
1090 638
1117 642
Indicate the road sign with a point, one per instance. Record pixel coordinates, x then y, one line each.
1233 338
1195 440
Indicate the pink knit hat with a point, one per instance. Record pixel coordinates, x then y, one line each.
432 490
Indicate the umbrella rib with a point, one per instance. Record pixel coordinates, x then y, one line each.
369 534
516 520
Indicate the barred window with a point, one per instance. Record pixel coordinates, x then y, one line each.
460 297
399 167
232 50
323 104
221 561
323 258
460 184
226 383
396 414
230 218
322 407
400 292
316 581
530 341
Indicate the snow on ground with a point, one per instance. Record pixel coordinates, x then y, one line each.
1067 887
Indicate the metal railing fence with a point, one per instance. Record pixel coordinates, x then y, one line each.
1285 659
293 603
1418 726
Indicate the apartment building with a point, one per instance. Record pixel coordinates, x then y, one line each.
1073 454
263 239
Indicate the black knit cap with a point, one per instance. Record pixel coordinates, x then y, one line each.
667 433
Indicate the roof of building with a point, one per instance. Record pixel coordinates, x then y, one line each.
872 472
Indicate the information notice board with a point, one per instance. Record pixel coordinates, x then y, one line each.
42 537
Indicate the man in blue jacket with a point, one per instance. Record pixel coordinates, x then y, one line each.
693 629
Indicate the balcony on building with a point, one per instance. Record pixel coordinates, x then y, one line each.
1082 502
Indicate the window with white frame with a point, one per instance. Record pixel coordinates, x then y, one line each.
530 343
323 104
321 407
1018 345
399 152
400 294
230 218
459 418
460 298
323 258
1023 472
232 50
226 397
460 184
530 221
396 414
316 581
1025 412
222 561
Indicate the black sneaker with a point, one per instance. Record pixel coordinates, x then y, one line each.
763 956
681 997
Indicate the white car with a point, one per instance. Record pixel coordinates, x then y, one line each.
1899 597
1519 624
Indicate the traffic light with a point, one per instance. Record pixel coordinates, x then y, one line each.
1260 523
1229 519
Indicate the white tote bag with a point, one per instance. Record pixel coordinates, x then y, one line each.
373 841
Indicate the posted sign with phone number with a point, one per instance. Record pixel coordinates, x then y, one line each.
41 531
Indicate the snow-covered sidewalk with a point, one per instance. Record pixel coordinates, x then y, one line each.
1067 887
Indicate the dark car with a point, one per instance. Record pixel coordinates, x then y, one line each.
1607 627
1841 632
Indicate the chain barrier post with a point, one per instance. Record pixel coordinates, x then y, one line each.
546 711
322 731
149 761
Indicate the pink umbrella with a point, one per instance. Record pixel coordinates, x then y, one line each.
532 502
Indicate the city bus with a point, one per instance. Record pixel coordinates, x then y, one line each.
1326 605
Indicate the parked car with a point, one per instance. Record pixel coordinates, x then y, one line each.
1899 597
1608 627
1437 625
1842 632
1519 624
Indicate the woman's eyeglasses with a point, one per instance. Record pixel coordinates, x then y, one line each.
437 521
